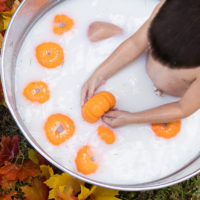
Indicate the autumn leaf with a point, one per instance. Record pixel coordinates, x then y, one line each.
37 191
10 3
104 194
5 19
29 169
60 181
14 171
46 171
3 6
7 185
36 157
6 14
9 149
8 196
7 5
10 171
97 193
65 194
85 192
32 155
41 159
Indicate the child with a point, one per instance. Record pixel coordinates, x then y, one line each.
172 37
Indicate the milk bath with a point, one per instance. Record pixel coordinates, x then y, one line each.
137 156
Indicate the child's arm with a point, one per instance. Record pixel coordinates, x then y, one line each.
189 103
126 53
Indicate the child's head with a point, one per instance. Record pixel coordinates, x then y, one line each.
174 34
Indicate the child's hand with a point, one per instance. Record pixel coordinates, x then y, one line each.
116 118
89 88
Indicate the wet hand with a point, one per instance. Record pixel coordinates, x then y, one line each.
89 88
116 118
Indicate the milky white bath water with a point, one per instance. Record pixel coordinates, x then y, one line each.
137 156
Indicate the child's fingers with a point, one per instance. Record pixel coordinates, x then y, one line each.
111 114
84 94
109 121
91 92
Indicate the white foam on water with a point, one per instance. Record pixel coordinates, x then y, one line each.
138 155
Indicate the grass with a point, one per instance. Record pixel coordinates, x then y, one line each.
188 190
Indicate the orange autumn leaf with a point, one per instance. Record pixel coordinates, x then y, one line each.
14 171
28 169
8 196
7 5
6 184
10 171
66 194
3 6
9 149
37 191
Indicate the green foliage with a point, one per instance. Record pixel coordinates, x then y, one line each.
188 190
8 128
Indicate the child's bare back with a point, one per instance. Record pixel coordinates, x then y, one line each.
174 82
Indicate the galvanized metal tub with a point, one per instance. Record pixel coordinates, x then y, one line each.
24 18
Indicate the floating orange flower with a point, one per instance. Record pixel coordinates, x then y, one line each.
167 130
50 54
106 134
97 106
85 161
37 92
59 128
62 24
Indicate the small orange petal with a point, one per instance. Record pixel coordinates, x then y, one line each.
106 134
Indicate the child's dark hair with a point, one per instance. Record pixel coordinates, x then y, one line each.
174 34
